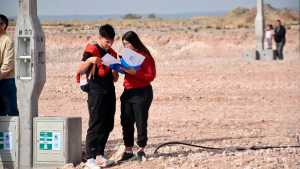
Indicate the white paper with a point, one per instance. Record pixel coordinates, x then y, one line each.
83 80
108 59
132 58
56 141
7 140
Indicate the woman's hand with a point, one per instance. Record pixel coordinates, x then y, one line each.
130 71
94 60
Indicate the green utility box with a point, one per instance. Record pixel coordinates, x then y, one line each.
56 141
9 141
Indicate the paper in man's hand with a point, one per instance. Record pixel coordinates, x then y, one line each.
108 60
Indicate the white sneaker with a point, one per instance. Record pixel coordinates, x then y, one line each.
91 164
103 162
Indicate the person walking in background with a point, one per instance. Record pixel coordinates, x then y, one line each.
8 91
101 96
280 39
136 98
269 36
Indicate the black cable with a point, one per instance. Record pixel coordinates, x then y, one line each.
231 149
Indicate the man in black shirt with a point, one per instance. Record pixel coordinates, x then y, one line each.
279 37
101 96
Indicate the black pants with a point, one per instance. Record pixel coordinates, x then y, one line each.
102 108
135 104
8 98
279 49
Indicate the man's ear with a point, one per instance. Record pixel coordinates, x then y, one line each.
2 27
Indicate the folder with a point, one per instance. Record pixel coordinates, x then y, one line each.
129 59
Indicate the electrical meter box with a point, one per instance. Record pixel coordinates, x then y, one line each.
23 59
56 141
9 141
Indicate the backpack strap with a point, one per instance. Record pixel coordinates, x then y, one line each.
92 49
102 69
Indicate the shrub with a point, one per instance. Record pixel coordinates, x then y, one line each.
132 16
152 16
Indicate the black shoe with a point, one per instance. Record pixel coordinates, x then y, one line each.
126 157
141 156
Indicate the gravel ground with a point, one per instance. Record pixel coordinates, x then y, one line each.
205 93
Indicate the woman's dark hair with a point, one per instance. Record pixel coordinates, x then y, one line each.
270 26
3 20
135 41
107 31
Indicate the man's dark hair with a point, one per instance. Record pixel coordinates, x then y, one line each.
107 31
3 20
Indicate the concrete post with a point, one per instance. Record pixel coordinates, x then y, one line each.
259 26
30 74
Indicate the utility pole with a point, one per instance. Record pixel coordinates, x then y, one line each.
259 26
30 74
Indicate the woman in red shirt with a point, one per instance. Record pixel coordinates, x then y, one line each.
136 98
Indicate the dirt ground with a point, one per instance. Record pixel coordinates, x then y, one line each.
205 93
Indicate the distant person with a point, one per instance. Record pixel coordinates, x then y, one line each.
280 39
101 96
269 36
136 98
8 91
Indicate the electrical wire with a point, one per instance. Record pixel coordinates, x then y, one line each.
222 149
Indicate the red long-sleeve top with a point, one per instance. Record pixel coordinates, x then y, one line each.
144 76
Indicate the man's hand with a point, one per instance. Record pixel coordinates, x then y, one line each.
84 65
94 60
115 76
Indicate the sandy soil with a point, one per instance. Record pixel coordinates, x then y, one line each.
205 93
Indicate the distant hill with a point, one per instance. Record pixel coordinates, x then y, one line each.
241 17
246 16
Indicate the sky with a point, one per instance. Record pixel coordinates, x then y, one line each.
101 7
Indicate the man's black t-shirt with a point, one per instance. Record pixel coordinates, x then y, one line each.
280 32
97 83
